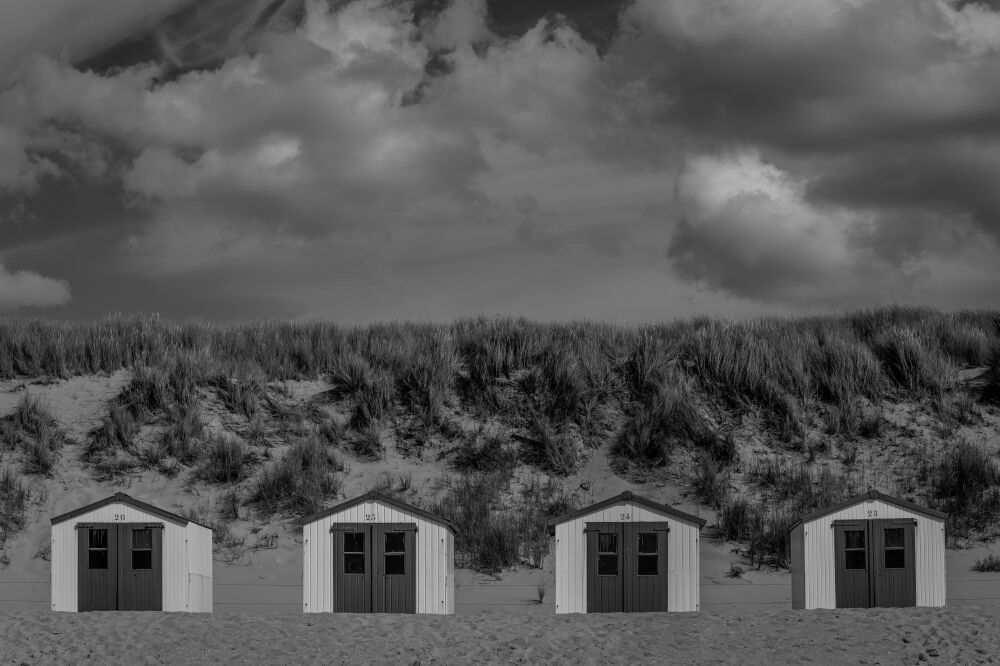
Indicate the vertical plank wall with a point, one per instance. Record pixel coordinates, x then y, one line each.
199 556
65 548
819 565
435 585
571 558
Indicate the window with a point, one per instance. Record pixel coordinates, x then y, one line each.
607 554
647 554
142 549
354 553
97 549
854 549
894 553
395 553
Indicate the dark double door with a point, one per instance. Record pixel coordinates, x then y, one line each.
374 568
626 567
120 567
875 563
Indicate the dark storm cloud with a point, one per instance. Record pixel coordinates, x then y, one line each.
386 153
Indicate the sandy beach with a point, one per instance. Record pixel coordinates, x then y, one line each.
968 635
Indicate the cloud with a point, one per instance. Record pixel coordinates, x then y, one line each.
20 289
76 29
746 230
823 151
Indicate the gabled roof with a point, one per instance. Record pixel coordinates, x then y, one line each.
870 495
628 496
131 501
375 496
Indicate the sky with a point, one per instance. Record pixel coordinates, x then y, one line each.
618 160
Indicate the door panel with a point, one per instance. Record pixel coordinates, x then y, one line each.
894 568
646 553
374 568
140 567
875 563
352 568
97 568
852 561
394 584
605 568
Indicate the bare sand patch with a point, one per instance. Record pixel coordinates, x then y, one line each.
965 635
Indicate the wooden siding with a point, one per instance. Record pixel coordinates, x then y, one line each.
433 555
571 557
175 557
819 568
798 569
199 556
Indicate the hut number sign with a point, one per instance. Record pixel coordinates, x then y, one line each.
625 516
370 518
119 518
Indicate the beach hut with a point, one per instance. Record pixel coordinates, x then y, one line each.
870 551
376 554
123 554
626 554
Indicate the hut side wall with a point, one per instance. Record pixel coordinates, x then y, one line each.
435 580
199 550
64 556
798 568
571 558
819 566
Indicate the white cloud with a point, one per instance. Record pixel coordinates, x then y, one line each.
20 289
746 229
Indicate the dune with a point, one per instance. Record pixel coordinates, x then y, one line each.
877 636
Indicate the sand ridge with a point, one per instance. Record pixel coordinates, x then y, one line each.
967 635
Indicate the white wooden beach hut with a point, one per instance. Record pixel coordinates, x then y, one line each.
626 554
870 551
376 554
123 554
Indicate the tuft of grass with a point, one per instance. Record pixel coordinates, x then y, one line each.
376 399
710 482
229 505
227 459
912 362
735 571
14 499
369 444
665 417
966 483
486 450
300 481
183 436
554 451
988 564
33 431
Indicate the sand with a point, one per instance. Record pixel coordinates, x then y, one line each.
967 635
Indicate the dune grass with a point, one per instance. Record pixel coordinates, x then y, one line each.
648 391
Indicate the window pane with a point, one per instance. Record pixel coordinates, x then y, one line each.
607 543
647 543
98 538
855 559
98 559
354 542
607 565
394 565
142 559
647 565
895 559
354 564
395 542
142 538
894 537
855 538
